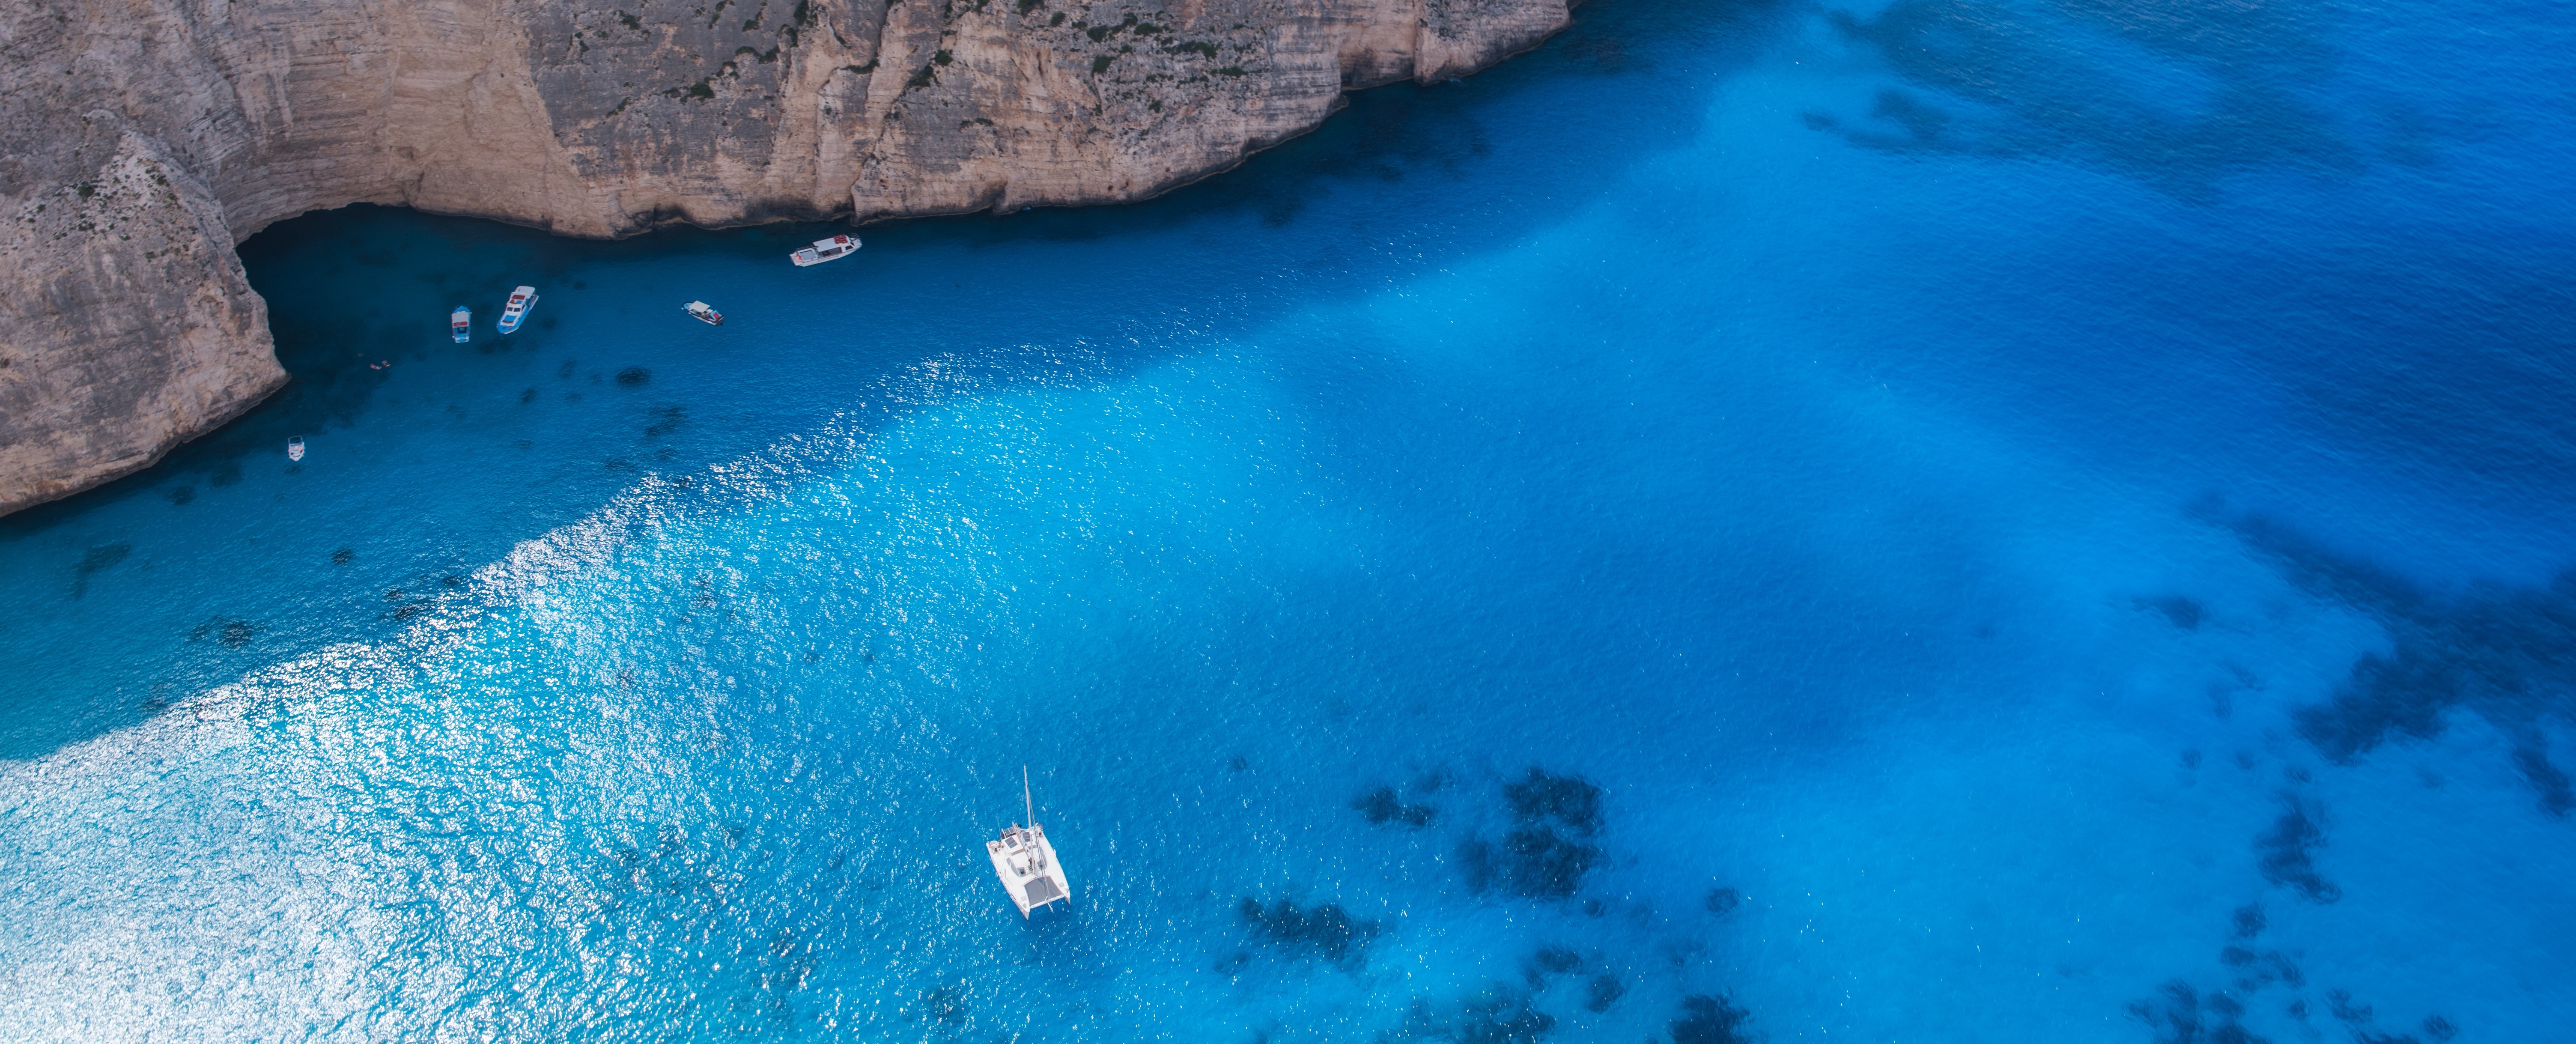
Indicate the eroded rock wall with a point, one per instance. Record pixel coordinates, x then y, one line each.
141 139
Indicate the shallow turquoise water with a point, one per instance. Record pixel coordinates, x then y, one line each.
2041 523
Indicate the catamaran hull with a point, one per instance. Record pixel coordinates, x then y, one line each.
1032 884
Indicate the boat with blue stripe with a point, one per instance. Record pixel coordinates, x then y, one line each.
516 312
461 323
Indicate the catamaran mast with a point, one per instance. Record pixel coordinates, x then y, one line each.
1024 796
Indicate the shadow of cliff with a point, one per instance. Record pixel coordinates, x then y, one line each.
1453 169
1663 61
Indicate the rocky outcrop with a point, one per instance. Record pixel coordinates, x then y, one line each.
141 139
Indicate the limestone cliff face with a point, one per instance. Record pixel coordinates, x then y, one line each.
141 139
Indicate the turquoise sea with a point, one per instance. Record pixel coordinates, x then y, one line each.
1960 520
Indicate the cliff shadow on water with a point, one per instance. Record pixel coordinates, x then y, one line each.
131 592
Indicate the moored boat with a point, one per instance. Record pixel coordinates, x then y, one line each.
706 315
295 448
516 312
823 250
1025 861
461 323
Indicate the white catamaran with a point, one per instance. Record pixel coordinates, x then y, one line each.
823 250
516 311
1025 861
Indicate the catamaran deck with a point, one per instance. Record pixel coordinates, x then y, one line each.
1025 861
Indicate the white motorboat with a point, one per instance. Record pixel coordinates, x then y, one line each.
516 311
461 323
704 314
1025 861
295 448
832 249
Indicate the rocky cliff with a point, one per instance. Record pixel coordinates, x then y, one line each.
141 139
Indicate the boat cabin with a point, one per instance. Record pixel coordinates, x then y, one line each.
825 250
516 310
1025 861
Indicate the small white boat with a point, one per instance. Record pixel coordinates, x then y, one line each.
461 323
516 311
704 314
295 448
823 250
1025 861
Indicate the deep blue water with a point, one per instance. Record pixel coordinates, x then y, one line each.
1956 521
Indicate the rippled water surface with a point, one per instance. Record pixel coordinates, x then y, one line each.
1952 521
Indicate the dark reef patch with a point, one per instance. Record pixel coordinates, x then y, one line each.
634 377
2286 851
2360 1016
1381 807
2181 1014
2178 1015
1533 863
1537 859
1324 930
1570 800
2260 970
2508 654
2250 921
2183 613
2532 757
1549 960
97 560
233 632
2024 87
1722 901
943 1005
102 557
1602 991
1557 959
666 419
1710 1020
